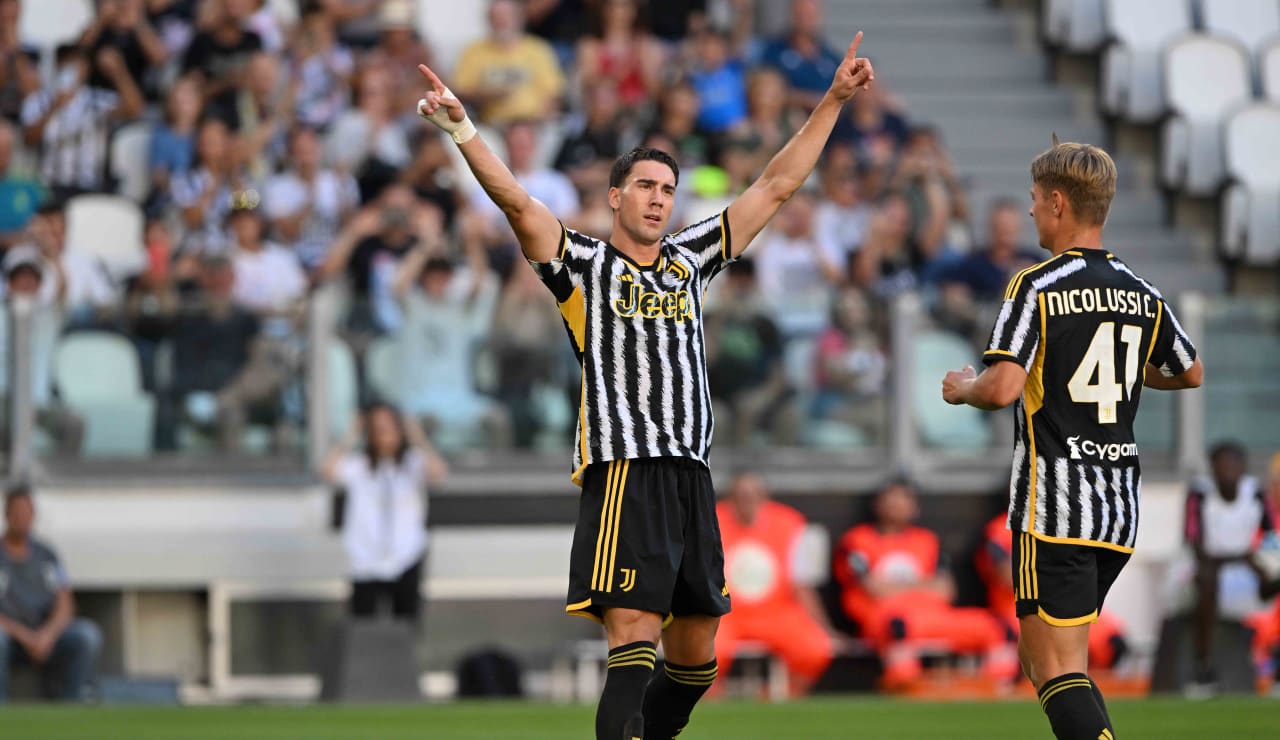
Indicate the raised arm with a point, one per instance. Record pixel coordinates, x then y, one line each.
536 228
789 168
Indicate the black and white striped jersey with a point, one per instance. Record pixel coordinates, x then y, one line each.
1084 327
637 330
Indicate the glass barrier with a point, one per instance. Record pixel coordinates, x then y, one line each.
1241 349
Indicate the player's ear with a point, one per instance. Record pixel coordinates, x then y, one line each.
615 198
1057 202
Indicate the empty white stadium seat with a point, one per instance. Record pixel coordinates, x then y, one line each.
129 152
1251 22
1205 78
110 228
99 377
1075 25
1251 204
1132 86
1269 64
940 424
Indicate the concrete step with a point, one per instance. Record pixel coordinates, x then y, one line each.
1005 103
1031 135
917 27
970 66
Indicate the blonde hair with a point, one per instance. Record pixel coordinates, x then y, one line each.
1084 173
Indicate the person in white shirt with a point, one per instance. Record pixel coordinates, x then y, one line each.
384 519
307 203
85 290
1227 514
797 272
269 279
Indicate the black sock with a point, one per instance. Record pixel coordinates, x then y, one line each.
1073 712
618 717
671 695
1102 704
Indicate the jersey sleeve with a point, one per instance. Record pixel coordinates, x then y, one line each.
1172 352
564 272
708 241
1016 334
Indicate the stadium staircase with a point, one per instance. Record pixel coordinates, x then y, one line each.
975 70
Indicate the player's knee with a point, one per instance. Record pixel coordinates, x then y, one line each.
631 625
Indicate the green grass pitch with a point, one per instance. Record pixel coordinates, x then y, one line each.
816 719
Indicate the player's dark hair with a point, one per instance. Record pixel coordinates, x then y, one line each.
366 413
1228 448
15 492
622 167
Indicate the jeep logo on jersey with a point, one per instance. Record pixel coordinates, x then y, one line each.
1080 449
636 300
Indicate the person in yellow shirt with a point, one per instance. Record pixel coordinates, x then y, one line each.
509 75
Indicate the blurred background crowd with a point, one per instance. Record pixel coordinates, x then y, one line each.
282 154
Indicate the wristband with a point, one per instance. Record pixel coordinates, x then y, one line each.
464 133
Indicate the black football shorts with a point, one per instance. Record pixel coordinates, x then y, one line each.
647 538
1063 583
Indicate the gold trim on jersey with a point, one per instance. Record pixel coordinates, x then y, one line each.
1016 281
1089 618
1155 332
574 311
1079 541
564 242
724 231
605 521
1033 401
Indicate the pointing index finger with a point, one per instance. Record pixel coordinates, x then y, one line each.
436 85
852 53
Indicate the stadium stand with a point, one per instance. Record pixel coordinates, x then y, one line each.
170 536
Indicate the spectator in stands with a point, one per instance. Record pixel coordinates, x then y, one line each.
399 47
890 261
433 177
26 272
123 25
526 342
86 293
70 122
173 140
205 195
268 277
772 568
619 51
212 338
175 20
19 76
384 521
981 276
487 226
720 80
874 125
221 50
927 179
321 68
770 121
1227 515
596 138
20 193
851 366
510 75
308 202
368 141
448 314
368 251
802 55
745 364
994 562
796 272
896 587
677 119
260 114
842 215
38 623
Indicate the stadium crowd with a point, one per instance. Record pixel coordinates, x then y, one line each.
284 156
